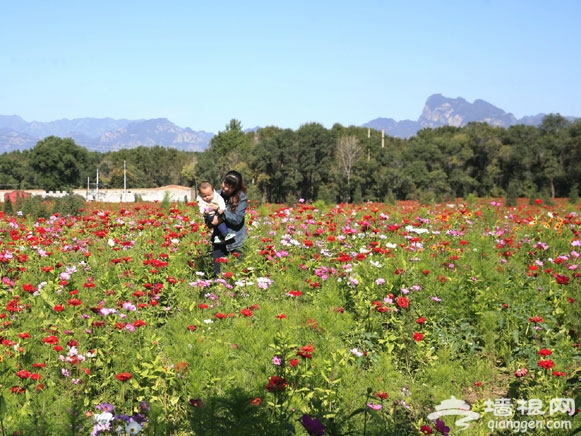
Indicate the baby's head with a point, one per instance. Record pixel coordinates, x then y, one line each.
206 191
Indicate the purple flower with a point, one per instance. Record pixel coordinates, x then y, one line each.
105 407
441 427
313 426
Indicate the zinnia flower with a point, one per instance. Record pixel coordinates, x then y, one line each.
441 427
313 426
546 364
197 402
402 302
276 384
123 376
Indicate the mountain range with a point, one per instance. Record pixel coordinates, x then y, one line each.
107 134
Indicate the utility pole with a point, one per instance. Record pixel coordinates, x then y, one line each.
124 180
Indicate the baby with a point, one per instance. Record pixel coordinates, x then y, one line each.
206 197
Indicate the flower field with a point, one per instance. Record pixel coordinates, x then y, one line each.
362 319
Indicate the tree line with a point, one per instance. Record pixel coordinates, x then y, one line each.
341 164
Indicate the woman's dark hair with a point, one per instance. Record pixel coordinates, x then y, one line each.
233 179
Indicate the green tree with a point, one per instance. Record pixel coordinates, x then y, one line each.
277 164
59 164
316 147
229 149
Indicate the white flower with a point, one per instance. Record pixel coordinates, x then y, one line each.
103 418
133 427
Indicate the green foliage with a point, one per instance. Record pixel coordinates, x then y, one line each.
511 194
36 207
8 208
59 164
165 202
546 197
574 194
70 204
280 165
229 150
424 303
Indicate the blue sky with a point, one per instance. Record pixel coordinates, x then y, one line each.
202 63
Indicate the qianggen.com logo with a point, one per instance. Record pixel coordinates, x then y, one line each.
533 414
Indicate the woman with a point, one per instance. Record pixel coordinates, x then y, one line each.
234 193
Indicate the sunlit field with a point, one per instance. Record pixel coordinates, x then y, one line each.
369 319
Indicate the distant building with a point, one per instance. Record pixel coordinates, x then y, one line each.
14 196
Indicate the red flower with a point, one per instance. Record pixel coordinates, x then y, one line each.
306 352
382 395
561 279
276 384
538 201
139 323
51 340
246 312
222 260
545 352
59 308
426 272
426 429
23 374
29 288
478 384
421 320
256 401
197 402
74 302
203 306
123 376
293 362
402 302
546 364
294 293
23 335
220 315
418 336
192 328
280 316
559 374
536 319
